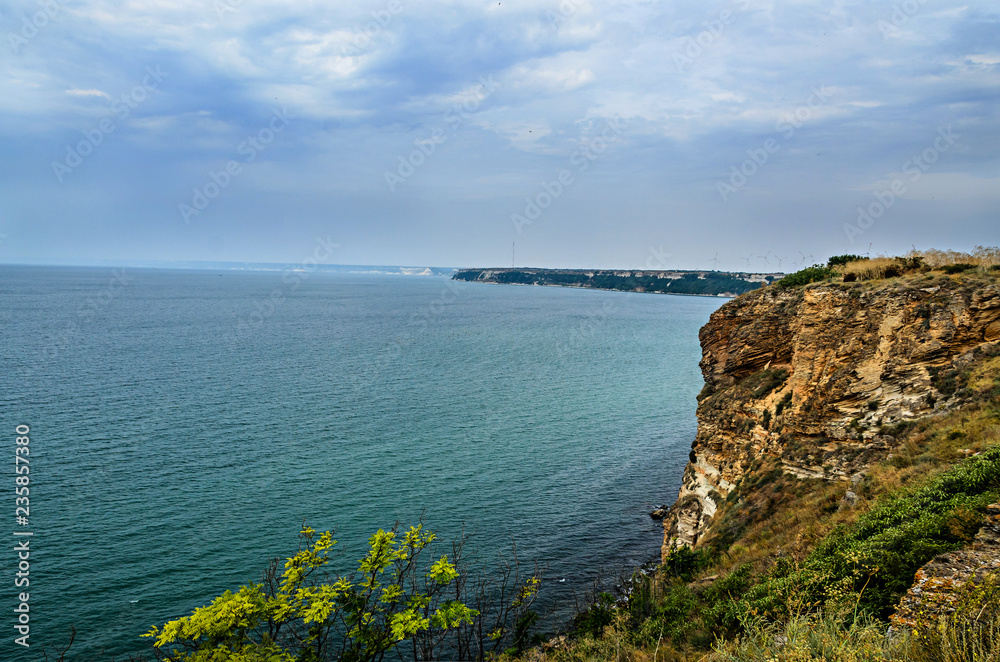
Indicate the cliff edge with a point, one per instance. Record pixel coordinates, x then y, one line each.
820 379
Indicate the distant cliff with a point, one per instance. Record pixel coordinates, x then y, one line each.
704 283
820 380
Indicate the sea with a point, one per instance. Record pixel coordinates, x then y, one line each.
183 425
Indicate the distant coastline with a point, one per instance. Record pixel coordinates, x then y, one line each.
660 281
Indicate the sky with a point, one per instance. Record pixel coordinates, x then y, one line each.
733 135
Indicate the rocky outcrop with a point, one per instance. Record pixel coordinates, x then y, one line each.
820 378
940 585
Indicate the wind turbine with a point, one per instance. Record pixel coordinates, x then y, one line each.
747 260
764 257
715 261
780 260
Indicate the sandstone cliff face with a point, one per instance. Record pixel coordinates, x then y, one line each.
817 378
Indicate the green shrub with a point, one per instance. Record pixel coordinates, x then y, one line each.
722 610
783 404
958 268
398 597
841 260
945 381
684 563
805 276
675 613
596 617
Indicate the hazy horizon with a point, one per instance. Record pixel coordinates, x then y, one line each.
249 266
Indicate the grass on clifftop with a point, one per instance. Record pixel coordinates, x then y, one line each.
852 268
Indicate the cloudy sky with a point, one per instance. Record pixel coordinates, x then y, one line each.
591 133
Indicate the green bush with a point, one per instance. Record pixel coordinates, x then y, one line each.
721 613
674 613
684 563
946 382
805 276
592 620
399 593
783 404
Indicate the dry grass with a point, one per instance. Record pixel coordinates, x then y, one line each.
808 637
932 447
873 269
792 528
984 375
981 256
884 266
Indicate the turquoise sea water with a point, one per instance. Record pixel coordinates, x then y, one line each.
185 423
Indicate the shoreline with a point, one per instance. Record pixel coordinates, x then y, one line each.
705 283
600 289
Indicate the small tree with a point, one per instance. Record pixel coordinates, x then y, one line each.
299 615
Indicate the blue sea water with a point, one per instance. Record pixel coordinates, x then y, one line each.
184 424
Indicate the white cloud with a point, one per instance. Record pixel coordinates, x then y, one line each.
88 93
984 60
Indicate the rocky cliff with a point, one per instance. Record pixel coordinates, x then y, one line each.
820 379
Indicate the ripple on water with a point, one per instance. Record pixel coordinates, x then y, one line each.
168 464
